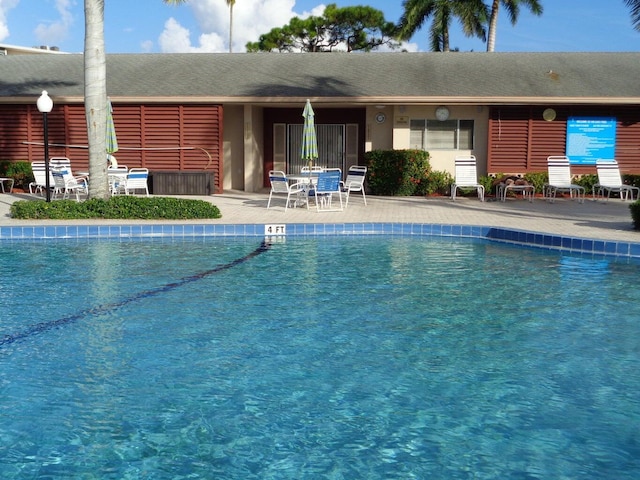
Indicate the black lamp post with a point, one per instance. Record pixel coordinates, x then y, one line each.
45 104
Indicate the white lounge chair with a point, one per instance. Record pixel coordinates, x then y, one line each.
610 180
65 183
40 178
280 186
560 179
39 173
354 182
466 176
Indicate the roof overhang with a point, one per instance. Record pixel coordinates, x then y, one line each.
345 101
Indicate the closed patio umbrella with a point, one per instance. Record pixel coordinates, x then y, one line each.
112 141
309 141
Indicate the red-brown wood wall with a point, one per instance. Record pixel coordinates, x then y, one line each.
159 137
520 140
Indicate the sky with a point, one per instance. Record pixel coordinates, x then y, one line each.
151 26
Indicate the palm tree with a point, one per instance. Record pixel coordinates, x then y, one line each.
95 97
513 9
634 5
471 13
231 3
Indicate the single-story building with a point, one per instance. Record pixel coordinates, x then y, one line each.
234 117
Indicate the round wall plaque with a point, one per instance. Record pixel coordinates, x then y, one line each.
381 117
549 114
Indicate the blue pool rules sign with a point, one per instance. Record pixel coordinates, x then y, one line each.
591 138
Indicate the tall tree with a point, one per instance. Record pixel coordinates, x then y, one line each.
513 9
231 3
634 5
95 97
359 28
472 14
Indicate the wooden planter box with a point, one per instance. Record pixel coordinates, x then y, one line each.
181 183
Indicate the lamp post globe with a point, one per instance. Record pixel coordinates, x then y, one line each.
45 105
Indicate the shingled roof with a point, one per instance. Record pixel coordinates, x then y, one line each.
354 78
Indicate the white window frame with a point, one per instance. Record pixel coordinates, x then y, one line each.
429 134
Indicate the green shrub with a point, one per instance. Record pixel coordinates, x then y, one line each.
587 181
118 207
537 179
398 172
439 182
487 182
19 171
633 180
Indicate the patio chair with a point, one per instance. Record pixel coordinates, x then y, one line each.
354 182
65 183
610 180
560 179
466 176
136 179
327 185
117 177
280 186
39 173
40 179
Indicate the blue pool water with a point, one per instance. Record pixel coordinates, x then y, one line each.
316 358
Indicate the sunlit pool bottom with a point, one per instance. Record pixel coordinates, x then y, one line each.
316 357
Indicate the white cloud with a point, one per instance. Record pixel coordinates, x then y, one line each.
54 32
408 47
251 18
176 39
146 46
5 6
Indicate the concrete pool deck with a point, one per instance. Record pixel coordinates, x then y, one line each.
598 220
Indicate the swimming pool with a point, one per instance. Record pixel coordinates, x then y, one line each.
326 357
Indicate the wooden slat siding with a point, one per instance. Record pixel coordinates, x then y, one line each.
628 140
546 139
14 127
127 119
199 124
136 126
76 134
161 130
520 140
508 140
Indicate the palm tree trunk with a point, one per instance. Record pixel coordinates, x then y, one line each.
95 97
231 27
493 25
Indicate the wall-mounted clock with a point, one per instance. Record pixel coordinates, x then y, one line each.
442 113
380 117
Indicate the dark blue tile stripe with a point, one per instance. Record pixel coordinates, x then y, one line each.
518 237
